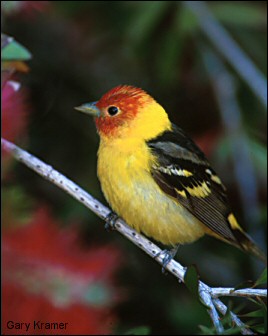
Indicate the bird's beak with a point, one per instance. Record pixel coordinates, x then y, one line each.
89 108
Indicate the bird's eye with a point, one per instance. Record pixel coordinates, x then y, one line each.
113 110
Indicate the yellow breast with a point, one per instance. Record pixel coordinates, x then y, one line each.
126 181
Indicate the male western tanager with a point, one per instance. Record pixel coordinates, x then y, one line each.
155 177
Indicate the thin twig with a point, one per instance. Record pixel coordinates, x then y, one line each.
49 173
245 292
223 309
226 45
204 293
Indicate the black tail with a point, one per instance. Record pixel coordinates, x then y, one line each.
245 243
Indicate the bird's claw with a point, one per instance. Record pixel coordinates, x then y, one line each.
110 221
166 259
168 256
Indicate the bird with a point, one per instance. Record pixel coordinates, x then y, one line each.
156 178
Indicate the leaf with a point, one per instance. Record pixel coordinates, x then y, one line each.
255 313
206 331
244 284
259 328
256 302
14 51
262 279
264 307
5 40
227 319
264 312
191 279
232 331
142 330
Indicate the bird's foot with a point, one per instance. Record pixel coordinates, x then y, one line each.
168 256
110 221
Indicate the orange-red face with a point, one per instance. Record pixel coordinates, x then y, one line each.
118 107
127 112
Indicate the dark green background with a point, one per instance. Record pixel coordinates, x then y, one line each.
80 50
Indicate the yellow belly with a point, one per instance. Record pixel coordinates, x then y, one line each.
132 193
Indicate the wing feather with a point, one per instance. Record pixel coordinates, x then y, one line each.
183 172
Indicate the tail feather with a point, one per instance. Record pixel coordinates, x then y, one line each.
245 243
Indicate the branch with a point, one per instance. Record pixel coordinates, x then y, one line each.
227 46
206 293
245 292
205 296
223 309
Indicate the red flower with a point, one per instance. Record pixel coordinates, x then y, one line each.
76 319
48 276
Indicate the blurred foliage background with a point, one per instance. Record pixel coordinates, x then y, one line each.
80 50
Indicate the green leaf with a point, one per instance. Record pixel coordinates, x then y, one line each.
142 330
244 284
262 279
14 51
256 302
206 331
255 313
259 328
264 310
5 40
232 331
191 279
227 323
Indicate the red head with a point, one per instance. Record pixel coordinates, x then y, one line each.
118 111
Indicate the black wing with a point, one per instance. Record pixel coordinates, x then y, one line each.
183 172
